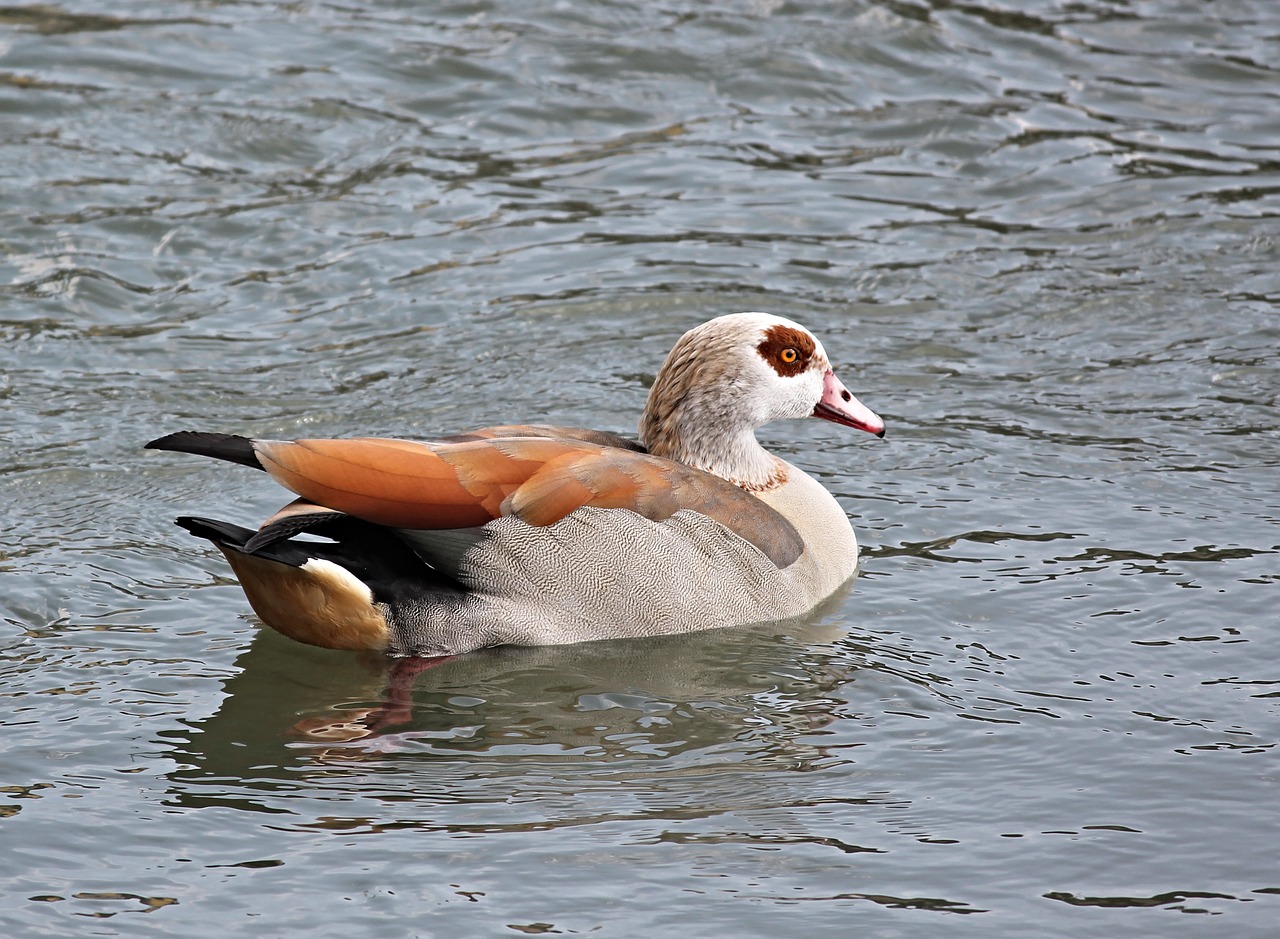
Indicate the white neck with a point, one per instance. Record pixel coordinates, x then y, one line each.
707 431
738 458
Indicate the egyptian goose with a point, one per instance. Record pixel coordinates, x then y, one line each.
536 535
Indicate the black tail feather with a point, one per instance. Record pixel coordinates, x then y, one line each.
218 532
227 535
369 552
230 447
319 522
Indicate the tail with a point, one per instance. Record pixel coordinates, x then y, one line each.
370 553
241 540
354 591
308 595
229 447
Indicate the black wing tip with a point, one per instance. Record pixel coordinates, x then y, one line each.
230 447
183 440
211 529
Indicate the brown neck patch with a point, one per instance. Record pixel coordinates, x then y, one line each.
787 350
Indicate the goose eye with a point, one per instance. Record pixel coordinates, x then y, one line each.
787 355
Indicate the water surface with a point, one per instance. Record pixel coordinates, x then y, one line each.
1040 239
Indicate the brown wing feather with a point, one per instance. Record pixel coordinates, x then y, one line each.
404 484
382 481
655 488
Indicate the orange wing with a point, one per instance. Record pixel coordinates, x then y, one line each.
404 484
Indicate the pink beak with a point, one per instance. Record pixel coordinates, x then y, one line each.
839 405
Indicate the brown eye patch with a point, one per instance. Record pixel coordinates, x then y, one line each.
786 349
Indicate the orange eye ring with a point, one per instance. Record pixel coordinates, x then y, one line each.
787 355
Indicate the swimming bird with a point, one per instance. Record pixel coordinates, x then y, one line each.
542 535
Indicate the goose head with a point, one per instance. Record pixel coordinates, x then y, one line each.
735 373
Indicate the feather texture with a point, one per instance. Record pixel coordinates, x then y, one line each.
540 534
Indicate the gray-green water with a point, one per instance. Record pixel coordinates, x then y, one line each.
1039 238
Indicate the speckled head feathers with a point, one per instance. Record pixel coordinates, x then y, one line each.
722 380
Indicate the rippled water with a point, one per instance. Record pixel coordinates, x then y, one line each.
1039 238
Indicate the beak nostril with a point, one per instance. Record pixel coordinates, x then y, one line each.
846 395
